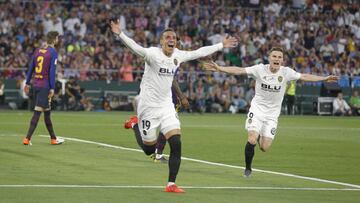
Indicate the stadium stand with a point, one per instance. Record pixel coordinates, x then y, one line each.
322 39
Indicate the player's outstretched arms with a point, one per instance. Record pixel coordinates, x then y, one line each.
316 78
211 66
116 29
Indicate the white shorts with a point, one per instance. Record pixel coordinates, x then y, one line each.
265 127
152 118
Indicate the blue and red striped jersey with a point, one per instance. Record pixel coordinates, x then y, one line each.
43 65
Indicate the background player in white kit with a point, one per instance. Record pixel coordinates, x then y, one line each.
271 79
155 108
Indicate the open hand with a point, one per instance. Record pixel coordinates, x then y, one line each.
27 89
230 42
332 78
51 94
115 26
185 102
211 66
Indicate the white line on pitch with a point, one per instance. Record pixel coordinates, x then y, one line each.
217 164
185 187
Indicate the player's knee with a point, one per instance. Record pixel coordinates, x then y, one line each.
252 140
252 137
264 148
149 149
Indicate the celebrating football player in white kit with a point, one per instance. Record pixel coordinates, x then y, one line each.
155 107
271 80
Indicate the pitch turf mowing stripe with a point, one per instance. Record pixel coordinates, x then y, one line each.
185 187
216 164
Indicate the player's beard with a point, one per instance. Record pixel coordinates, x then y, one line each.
58 45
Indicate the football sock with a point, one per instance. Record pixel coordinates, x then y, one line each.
33 123
160 144
49 125
175 157
138 136
249 154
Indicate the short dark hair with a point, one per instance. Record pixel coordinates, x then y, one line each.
51 36
167 30
277 48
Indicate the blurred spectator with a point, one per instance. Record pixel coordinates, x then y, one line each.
72 22
200 94
238 102
251 92
213 100
72 95
2 92
85 103
225 99
290 97
340 107
23 101
355 103
126 72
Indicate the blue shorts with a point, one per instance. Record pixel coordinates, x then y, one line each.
41 97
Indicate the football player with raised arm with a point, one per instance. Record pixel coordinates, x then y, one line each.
179 100
43 67
271 80
155 107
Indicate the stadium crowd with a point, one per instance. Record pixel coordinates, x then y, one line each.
321 37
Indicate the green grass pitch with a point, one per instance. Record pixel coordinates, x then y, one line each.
100 165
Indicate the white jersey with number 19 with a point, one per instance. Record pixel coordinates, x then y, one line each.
269 89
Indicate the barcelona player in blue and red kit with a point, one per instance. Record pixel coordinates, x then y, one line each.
43 68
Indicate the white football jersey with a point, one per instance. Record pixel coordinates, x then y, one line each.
269 89
158 76
160 70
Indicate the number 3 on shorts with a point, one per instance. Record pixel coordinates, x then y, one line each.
146 124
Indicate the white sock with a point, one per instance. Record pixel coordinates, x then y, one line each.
158 156
170 183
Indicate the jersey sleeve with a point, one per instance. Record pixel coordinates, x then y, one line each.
131 44
252 71
52 73
201 52
30 71
292 74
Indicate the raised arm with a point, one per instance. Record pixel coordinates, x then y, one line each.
211 66
316 78
228 42
133 46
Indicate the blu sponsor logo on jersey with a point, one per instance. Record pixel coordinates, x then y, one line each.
270 88
166 72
